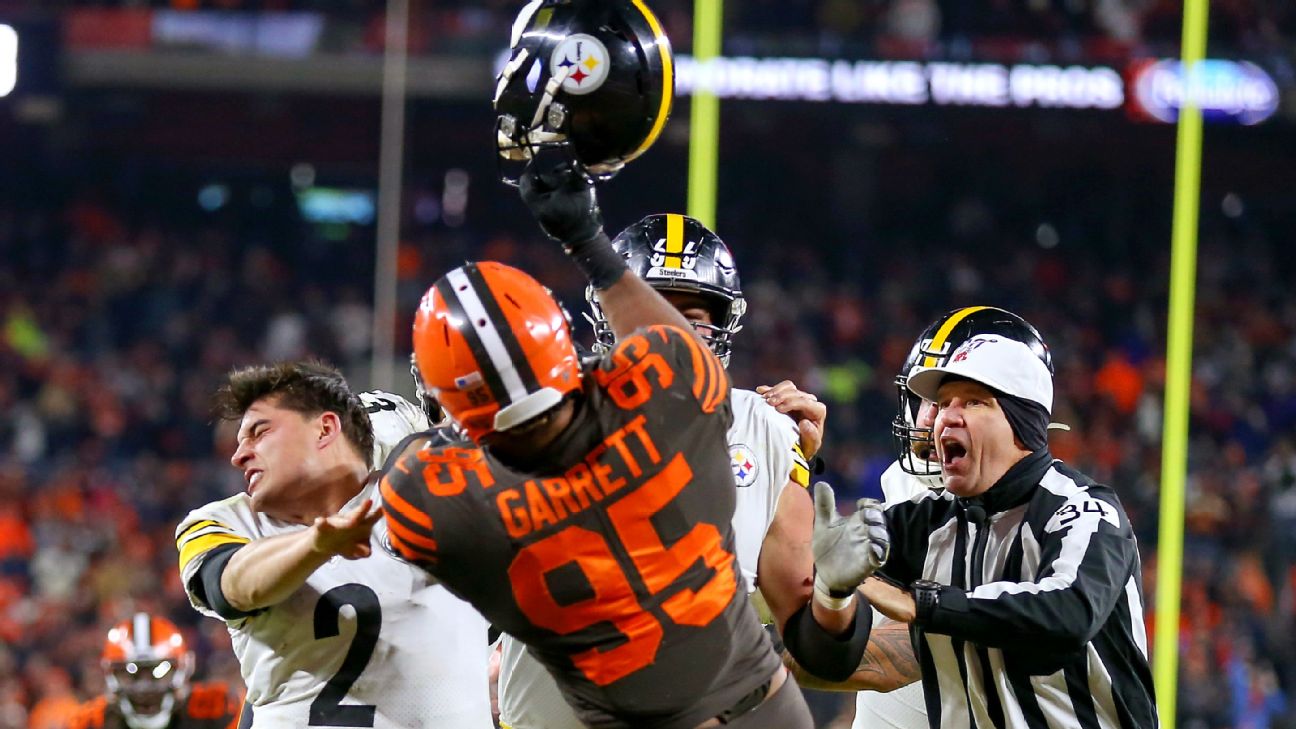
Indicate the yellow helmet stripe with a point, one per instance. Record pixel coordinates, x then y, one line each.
668 80
943 333
674 240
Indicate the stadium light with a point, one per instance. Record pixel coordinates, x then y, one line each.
8 59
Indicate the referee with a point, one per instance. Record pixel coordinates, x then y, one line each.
1021 580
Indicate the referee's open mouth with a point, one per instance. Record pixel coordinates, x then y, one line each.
953 452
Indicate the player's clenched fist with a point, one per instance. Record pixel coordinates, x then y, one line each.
846 550
346 534
561 197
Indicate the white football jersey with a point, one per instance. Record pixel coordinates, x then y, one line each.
392 417
372 642
903 708
765 453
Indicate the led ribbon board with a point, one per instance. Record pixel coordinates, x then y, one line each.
1226 91
905 83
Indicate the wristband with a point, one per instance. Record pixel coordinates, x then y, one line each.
829 598
596 258
836 604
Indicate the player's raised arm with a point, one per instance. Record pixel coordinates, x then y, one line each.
563 200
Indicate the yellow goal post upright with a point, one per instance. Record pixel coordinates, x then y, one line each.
1179 338
704 115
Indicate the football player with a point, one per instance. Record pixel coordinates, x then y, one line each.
694 270
555 516
148 670
328 630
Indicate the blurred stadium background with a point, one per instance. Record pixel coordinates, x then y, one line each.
190 186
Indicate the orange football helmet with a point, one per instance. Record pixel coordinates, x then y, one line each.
147 667
494 347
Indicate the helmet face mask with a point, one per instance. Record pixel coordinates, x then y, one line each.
676 253
144 688
147 668
915 449
913 444
594 78
427 402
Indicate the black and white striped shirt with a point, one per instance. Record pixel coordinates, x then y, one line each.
1042 623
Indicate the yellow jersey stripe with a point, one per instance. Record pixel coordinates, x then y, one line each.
200 525
206 543
668 80
800 466
801 475
943 333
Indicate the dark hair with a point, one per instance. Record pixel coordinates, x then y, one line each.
309 388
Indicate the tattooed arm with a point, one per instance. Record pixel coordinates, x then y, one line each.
889 663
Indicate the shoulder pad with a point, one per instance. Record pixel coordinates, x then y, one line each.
438 437
211 700
392 418
90 715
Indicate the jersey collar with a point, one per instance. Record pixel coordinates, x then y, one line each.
1016 486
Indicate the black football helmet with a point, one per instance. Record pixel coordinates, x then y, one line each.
593 77
677 253
427 402
914 444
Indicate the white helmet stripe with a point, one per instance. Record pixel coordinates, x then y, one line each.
142 634
482 324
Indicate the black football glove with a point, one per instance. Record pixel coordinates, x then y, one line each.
562 198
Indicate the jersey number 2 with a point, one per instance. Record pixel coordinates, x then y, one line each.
614 600
327 708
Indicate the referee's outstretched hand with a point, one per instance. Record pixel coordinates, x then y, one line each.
846 549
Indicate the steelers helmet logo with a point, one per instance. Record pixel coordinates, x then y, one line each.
743 462
582 62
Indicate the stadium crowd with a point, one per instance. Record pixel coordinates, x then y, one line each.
928 28
119 317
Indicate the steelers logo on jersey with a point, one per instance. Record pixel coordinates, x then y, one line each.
582 62
743 462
